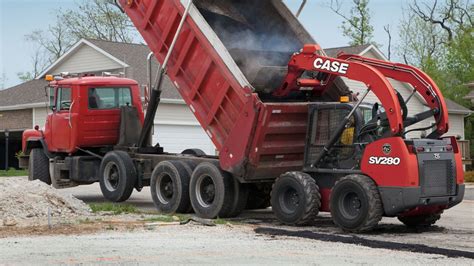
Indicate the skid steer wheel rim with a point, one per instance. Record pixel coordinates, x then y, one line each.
164 188
350 205
205 191
289 200
111 176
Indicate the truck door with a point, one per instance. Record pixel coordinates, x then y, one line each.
62 120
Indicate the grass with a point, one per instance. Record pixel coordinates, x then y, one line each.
167 218
13 172
469 176
116 209
221 221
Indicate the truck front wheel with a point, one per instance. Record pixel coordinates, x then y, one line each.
38 166
295 198
117 176
355 203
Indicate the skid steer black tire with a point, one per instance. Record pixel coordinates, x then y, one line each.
296 199
426 220
117 176
355 203
211 191
170 187
38 166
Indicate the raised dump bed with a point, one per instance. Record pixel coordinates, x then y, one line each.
229 56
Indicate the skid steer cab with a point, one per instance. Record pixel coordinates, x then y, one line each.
83 124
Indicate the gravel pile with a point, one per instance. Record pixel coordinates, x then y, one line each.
24 203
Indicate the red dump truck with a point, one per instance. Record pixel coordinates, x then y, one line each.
270 100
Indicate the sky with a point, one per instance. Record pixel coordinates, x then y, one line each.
20 17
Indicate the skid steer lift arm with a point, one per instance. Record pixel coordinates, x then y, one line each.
420 81
309 59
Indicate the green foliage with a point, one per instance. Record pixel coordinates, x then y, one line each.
115 208
358 27
438 37
25 76
13 172
19 154
167 218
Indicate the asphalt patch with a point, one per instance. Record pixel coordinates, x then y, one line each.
356 240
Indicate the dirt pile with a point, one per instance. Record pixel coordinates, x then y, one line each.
26 203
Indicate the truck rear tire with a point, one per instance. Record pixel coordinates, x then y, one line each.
426 220
355 203
117 176
295 198
211 191
170 187
194 152
38 168
241 195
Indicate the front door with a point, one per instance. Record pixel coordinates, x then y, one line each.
62 120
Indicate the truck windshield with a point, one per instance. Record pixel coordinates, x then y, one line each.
109 98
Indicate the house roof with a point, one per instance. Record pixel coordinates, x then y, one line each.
357 49
134 56
470 95
454 107
30 92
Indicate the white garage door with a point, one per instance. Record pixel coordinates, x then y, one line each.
176 138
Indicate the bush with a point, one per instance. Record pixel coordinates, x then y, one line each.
469 176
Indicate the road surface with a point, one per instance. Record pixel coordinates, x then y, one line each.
258 239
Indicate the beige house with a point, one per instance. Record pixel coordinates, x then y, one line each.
26 105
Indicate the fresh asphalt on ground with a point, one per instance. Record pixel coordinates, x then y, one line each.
452 234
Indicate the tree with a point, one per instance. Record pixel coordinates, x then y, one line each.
356 26
438 37
98 19
388 30
92 19
40 60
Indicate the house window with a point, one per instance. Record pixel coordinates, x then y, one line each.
109 98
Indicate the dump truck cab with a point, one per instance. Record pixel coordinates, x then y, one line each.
85 113
83 124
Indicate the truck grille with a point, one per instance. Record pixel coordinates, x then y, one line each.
438 178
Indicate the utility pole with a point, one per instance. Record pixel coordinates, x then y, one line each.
7 134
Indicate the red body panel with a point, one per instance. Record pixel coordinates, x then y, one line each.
80 127
403 175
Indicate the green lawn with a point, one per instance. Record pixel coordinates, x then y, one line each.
13 172
113 207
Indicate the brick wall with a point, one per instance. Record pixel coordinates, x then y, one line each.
16 120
